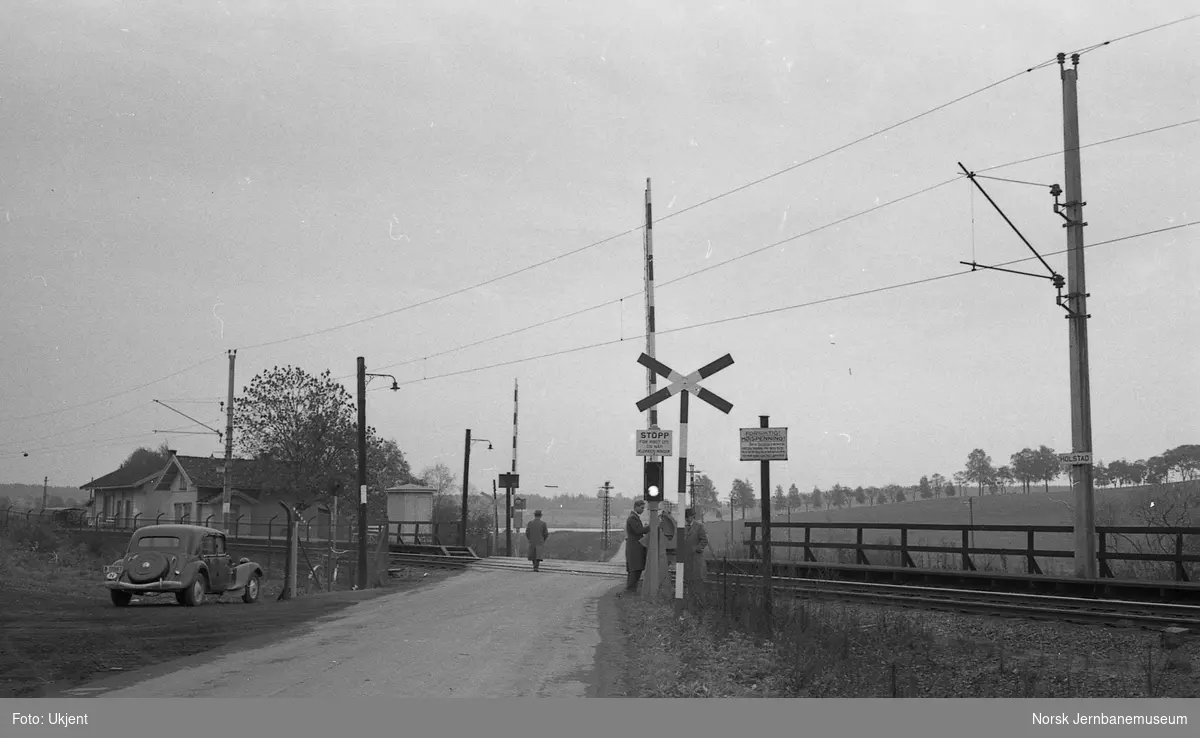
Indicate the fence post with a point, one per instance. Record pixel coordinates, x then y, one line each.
1031 564
968 565
1180 571
862 555
905 559
753 540
1102 554
155 520
237 526
206 520
270 544
808 554
135 519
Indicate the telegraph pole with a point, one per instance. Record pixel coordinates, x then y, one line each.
45 491
607 486
466 476
1077 315
651 578
362 473
227 473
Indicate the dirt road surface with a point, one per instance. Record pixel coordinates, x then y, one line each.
483 633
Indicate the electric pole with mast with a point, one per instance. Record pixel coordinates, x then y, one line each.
1077 315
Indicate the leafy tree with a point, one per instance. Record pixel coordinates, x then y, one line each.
893 493
860 495
780 499
1024 465
960 480
818 498
938 483
1158 469
949 490
837 496
1101 474
924 488
145 461
794 498
1184 461
447 504
706 494
874 494
1047 465
1004 477
979 468
743 495
304 429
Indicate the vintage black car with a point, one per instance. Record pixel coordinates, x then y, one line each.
189 561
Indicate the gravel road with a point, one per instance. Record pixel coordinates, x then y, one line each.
479 634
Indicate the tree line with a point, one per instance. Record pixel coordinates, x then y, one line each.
1026 468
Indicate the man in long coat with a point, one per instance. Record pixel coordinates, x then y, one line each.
537 533
695 543
635 552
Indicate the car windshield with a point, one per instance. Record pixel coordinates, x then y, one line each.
168 542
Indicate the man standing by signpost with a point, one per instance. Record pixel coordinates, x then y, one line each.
635 552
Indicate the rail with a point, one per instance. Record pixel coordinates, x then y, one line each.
1182 541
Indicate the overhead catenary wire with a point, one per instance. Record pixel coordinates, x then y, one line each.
631 230
722 195
689 275
772 311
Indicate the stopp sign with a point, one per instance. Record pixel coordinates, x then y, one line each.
655 442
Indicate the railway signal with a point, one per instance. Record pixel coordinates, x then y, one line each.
652 476
682 385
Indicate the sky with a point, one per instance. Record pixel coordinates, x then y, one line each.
310 183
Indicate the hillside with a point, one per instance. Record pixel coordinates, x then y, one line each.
30 495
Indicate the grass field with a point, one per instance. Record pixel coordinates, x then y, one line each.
1173 505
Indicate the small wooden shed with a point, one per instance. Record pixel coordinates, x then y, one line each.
410 503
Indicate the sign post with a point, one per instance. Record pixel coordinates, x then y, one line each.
682 385
764 445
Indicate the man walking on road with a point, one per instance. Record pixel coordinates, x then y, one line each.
635 552
537 533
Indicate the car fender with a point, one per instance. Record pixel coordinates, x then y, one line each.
242 574
191 570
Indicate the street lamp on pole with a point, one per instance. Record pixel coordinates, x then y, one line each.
362 466
467 480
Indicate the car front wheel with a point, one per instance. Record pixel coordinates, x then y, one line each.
194 595
250 596
120 598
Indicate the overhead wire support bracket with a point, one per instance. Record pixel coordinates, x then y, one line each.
189 417
1055 278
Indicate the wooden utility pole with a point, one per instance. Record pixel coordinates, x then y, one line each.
1076 303
650 580
227 472
45 491
362 473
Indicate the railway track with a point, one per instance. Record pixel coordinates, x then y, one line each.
500 563
1006 604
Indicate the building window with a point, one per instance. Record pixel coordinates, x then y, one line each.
182 510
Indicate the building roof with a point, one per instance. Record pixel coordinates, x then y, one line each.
410 488
201 471
233 493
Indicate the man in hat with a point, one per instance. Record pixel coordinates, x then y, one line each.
537 533
635 552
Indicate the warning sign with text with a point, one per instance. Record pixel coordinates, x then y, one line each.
764 444
655 442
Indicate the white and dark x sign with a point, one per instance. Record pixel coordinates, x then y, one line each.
680 383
